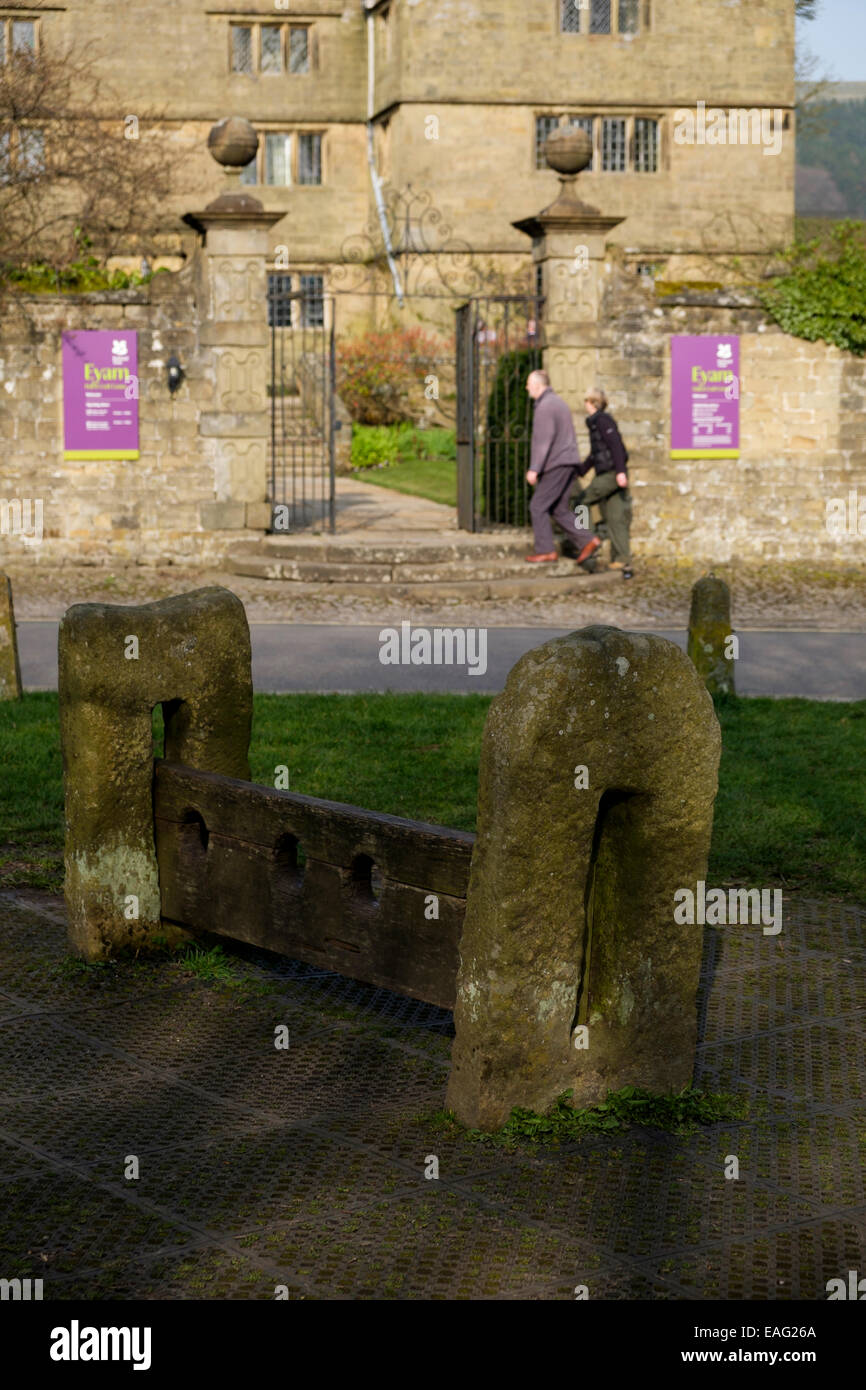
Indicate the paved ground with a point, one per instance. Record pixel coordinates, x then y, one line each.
326 657
305 1167
383 511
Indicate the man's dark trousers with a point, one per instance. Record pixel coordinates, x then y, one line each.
550 498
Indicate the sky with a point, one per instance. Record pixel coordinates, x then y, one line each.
837 37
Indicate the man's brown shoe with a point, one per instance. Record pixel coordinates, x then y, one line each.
589 549
542 559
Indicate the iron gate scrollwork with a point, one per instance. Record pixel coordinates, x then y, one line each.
301 390
499 342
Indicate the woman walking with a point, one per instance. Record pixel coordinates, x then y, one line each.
609 488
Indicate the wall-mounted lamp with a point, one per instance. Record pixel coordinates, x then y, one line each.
175 373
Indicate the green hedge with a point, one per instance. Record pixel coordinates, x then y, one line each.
824 295
504 491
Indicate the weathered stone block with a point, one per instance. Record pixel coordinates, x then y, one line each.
10 671
191 654
223 516
709 644
258 516
598 775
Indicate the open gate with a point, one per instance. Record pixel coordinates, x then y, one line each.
498 345
301 391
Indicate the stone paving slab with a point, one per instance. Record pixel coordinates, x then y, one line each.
305 1167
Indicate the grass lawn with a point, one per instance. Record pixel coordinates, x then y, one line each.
422 463
791 808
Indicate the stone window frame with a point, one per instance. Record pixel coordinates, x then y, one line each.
583 11
294 133
255 24
597 117
13 142
10 17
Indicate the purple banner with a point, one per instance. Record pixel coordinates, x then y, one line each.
100 394
705 396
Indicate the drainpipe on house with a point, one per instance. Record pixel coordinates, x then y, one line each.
371 154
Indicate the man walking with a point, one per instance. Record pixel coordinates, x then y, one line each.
553 467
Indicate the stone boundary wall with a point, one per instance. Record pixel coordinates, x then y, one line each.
802 438
167 505
801 432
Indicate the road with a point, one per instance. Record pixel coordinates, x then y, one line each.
323 657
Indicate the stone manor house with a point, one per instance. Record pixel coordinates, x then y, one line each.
449 102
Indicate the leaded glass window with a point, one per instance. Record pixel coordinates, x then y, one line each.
613 144
278 158
628 16
272 55
569 16
599 17
23 36
309 158
312 301
299 50
544 125
279 304
242 48
646 146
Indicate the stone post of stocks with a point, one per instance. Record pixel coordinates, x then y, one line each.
191 655
10 671
598 774
568 242
711 640
235 227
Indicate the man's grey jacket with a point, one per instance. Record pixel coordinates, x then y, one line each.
553 441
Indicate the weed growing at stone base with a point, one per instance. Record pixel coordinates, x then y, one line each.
680 1112
209 965
74 968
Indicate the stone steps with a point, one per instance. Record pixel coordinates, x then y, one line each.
353 547
491 565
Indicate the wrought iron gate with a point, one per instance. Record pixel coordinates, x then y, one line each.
498 345
302 370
